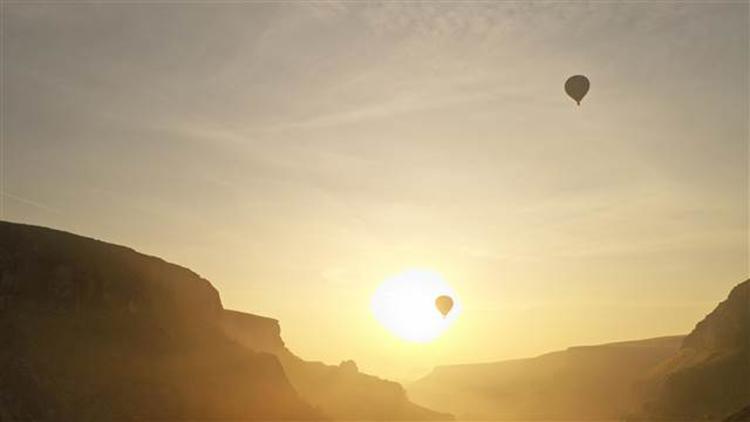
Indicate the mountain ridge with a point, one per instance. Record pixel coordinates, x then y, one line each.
569 348
702 375
580 382
94 331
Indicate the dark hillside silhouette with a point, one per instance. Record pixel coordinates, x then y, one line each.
93 331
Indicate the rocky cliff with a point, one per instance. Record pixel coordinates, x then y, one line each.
709 377
341 392
92 331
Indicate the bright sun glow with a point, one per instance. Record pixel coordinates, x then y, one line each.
405 305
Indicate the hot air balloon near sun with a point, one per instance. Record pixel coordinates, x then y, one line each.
444 304
416 305
576 87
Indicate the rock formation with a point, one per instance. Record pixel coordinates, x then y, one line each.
709 377
92 332
341 392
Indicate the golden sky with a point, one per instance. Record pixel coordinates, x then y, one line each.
297 154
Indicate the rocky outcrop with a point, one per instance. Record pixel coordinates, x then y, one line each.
341 392
580 383
258 333
727 327
709 377
92 331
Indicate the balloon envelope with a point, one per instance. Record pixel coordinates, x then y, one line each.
444 304
576 87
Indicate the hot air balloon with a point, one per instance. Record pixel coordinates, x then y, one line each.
576 87
444 304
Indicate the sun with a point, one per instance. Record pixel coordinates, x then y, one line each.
405 305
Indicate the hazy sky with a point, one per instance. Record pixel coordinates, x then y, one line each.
297 154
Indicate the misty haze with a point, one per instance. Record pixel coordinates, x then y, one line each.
374 211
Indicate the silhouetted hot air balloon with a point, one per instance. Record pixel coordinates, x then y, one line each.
576 87
444 304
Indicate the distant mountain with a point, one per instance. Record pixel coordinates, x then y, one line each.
581 383
341 392
709 377
702 376
91 331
